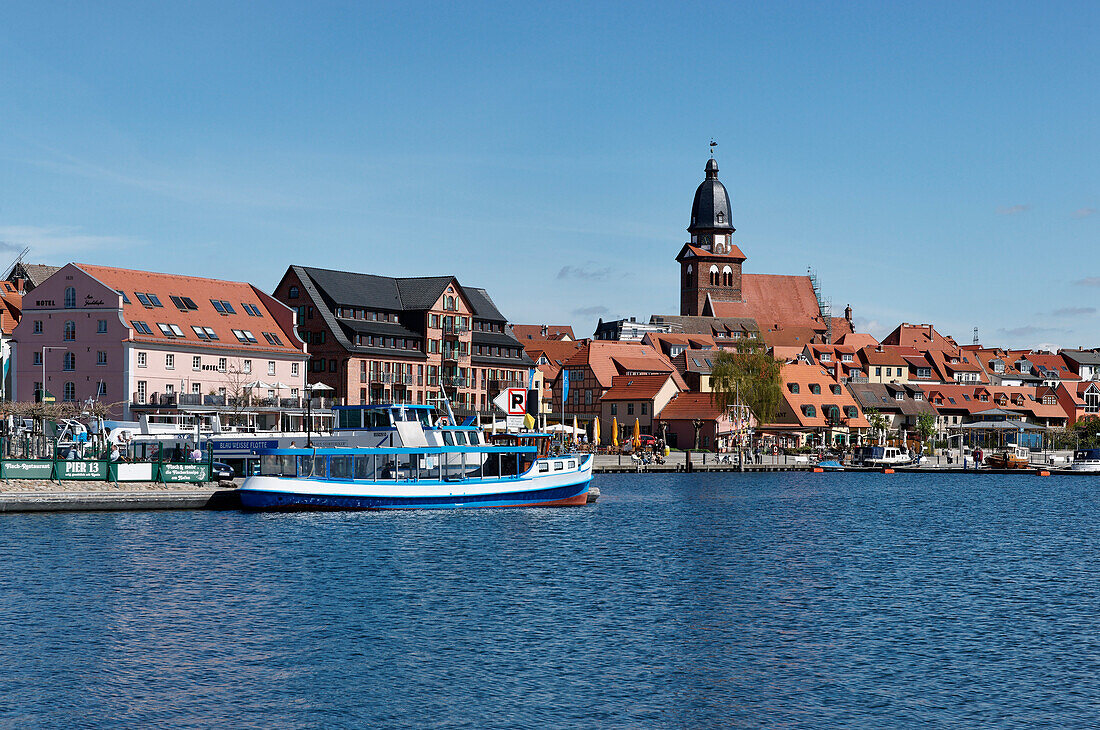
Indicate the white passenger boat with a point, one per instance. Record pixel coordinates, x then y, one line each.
406 456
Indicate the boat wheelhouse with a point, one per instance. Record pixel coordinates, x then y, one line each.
1086 460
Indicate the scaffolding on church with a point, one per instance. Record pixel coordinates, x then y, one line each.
825 306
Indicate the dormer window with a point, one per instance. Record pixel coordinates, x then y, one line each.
721 217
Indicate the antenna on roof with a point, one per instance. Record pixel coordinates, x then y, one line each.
713 144
18 259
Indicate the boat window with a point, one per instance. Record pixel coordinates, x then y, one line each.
558 466
572 465
447 439
351 418
475 438
362 468
543 466
460 438
425 417
318 466
376 418
339 467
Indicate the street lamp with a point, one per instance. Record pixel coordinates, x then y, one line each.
44 348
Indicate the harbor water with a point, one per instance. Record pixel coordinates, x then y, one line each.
681 600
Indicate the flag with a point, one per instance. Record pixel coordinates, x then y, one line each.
564 387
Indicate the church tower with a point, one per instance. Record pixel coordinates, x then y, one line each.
710 264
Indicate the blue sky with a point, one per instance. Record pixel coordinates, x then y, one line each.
933 162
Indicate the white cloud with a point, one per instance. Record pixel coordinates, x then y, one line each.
1083 212
55 244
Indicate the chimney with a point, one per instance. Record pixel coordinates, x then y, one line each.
545 330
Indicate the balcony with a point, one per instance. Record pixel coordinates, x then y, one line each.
454 330
450 354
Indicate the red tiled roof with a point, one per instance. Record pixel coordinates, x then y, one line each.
201 291
525 332
772 299
689 406
601 357
635 387
11 307
923 337
807 375
734 252
790 336
859 339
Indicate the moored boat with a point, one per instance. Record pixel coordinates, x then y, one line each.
1086 460
416 478
1013 457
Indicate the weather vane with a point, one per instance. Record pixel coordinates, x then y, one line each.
713 144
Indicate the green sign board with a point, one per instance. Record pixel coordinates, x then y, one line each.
185 472
26 469
82 470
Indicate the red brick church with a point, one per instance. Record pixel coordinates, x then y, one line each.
713 285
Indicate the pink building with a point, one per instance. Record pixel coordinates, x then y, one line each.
139 340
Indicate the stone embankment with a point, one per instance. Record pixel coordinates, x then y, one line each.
74 496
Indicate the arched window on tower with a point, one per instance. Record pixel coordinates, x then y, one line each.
727 276
687 276
713 275
721 217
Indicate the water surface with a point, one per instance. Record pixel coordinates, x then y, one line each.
792 600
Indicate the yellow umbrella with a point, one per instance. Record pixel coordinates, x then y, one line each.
637 434
596 432
615 431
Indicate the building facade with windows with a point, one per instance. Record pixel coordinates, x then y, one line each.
377 339
140 340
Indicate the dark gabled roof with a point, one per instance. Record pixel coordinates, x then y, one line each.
361 290
33 274
494 338
422 292
371 291
386 329
1082 357
882 397
483 305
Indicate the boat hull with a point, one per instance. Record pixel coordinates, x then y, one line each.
565 488
573 495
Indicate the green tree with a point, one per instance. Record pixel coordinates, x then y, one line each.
878 422
1088 431
749 376
926 427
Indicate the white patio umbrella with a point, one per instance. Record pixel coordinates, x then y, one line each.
278 384
256 384
319 386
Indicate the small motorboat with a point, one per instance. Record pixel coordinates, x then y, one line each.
1086 460
1014 457
831 465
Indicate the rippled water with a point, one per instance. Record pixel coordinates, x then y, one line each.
794 600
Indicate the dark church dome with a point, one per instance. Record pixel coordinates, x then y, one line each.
711 208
